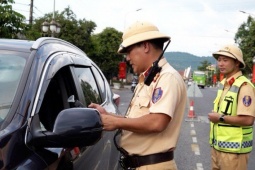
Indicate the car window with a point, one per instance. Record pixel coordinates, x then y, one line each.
11 69
100 81
55 99
88 85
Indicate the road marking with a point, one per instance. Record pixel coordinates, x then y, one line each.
200 166
191 124
194 139
195 149
194 145
193 133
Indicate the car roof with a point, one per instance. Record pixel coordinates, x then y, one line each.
50 42
16 45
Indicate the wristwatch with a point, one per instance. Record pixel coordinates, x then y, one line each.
222 118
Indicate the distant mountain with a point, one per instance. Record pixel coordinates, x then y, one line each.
182 60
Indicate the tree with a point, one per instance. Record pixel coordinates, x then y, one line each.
77 32
204 65
12 23
101 48
246 40
105 46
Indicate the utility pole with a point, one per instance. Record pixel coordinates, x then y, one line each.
31 12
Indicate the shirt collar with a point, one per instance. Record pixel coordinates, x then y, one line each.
232 79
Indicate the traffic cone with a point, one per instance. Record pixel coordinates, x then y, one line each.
191 110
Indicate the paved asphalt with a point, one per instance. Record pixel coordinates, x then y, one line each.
193 150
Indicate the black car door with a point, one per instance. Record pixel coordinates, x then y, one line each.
93 87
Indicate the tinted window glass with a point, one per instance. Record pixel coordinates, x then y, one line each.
11 68
88 85
60 88
101 82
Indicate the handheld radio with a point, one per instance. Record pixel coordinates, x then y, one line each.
155 68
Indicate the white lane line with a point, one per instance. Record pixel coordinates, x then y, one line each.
194 146
191 124
194 139
200 166
193 133
195 149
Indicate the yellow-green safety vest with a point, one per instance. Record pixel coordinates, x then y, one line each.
225 137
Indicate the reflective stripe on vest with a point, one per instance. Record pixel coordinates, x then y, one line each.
236 145
226 137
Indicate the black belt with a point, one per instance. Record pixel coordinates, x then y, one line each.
137 161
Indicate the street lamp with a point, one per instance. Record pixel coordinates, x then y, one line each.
253 70
54 27
45 26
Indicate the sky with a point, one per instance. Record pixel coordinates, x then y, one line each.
198 27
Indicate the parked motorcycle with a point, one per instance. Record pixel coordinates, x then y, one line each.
133 84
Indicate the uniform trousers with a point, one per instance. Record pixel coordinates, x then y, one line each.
168 165
227 161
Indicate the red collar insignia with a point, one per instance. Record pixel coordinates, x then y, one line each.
147 72
231 81
156 77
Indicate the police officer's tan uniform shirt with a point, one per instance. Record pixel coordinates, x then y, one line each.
165 95
246 96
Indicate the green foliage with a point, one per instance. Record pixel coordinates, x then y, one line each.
204 65
90 94
101 48
105 45
77 32
246 40
12 23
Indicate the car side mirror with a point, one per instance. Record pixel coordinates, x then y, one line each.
73 127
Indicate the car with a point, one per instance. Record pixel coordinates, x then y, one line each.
46 86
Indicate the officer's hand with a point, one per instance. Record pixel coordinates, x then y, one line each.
109 122
98 107
214 117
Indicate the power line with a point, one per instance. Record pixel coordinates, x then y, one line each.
38 10
21 4
36 14
19 10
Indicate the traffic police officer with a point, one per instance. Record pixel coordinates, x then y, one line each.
231 131
151 126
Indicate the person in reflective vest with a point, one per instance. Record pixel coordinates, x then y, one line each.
232 117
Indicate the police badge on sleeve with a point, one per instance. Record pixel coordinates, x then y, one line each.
157 94
247 101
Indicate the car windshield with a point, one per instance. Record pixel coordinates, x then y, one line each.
11 68
199 74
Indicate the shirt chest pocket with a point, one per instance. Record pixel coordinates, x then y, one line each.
142 105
